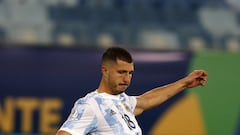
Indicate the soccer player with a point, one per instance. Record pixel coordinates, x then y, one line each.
109 110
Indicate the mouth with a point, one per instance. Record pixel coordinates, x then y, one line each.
123 84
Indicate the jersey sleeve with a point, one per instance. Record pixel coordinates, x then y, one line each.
81 121
132 100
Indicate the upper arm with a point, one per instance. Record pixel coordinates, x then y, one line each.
156 96
139 106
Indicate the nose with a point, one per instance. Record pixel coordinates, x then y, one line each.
127 78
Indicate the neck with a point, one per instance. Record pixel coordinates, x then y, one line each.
104 88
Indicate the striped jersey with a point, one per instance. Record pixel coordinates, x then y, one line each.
103 114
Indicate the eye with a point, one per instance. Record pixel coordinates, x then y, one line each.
131 72
122 71
125 72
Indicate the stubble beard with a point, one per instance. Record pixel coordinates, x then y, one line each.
117 88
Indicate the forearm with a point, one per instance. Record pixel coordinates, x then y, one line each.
159 95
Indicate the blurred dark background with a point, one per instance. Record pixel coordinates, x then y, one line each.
50 54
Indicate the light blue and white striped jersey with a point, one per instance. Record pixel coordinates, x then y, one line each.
103 114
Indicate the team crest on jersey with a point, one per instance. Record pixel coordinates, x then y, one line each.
126 107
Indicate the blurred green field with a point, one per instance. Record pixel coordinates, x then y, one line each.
220 99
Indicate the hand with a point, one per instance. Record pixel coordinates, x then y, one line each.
196 78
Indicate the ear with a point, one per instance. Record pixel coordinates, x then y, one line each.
104 70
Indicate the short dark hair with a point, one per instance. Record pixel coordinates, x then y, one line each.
114 53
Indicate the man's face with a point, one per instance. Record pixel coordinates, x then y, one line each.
119 76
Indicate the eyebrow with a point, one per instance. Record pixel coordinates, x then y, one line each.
126 71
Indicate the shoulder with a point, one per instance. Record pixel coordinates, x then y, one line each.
127 98
130 101
86 99
83 105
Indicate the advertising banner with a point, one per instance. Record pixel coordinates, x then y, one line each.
39 85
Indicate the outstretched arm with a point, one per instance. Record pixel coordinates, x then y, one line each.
158 95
